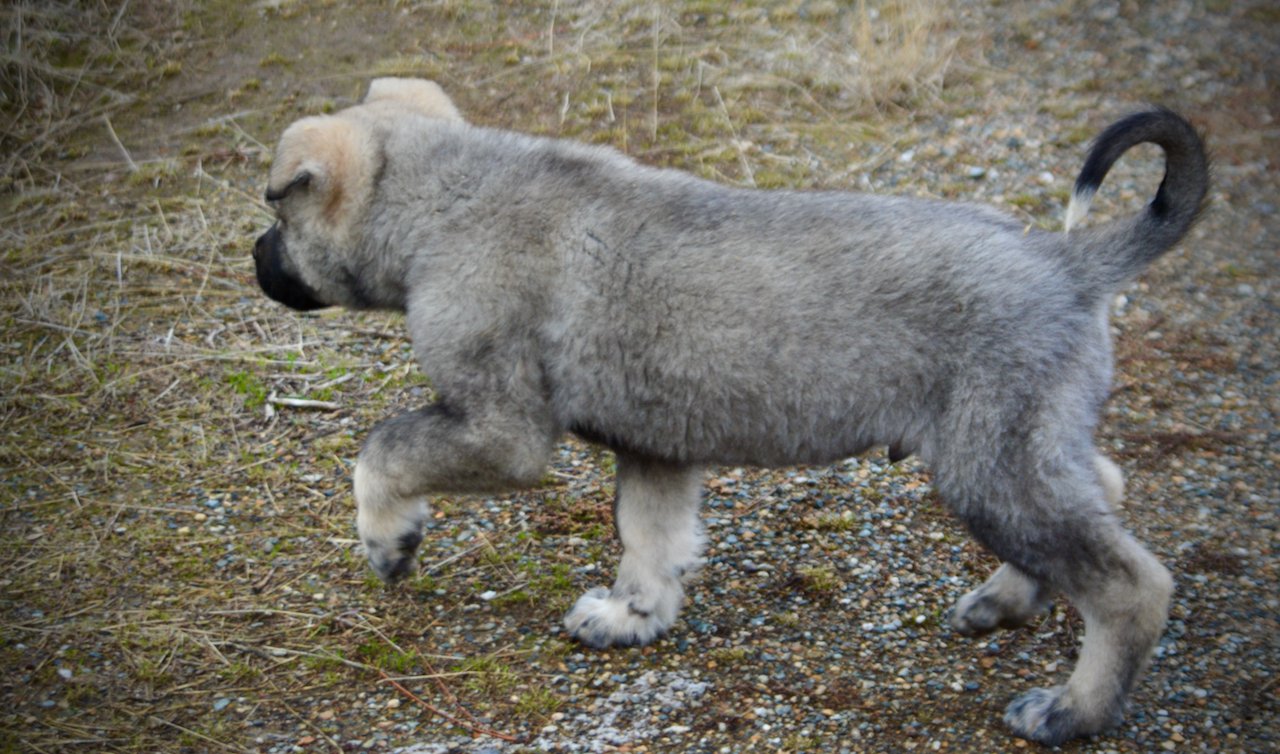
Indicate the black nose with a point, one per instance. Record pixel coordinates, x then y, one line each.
263 244
276 282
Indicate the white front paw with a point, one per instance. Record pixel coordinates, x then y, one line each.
390 529
600 619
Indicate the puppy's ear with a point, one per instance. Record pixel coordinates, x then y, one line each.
420 95
326 165
301 180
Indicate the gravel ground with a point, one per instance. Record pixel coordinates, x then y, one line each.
818 622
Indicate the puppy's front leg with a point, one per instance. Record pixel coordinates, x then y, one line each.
434 450
657 519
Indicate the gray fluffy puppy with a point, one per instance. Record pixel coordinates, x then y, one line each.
551 287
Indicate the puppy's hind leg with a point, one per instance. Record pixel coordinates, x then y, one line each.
1125 605
1111 479
1046 512
1008 599
657 519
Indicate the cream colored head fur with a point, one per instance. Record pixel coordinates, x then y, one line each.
334 156
420 95
335 160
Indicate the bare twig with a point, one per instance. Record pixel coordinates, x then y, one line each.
456 556
133 166
737 143
197 734
657 77
474 728
302 403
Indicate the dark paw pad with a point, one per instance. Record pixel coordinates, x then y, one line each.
409 542
393 564
975 618
400 568
392 568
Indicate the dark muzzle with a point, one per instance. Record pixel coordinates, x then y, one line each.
268 258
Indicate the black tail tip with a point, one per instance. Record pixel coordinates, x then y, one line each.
1158 124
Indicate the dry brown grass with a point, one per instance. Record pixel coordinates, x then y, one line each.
69 64
763 92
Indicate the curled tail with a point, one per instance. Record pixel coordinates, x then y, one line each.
1121 249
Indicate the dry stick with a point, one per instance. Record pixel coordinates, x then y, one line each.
208 268
438 677
435 675
270 653
114 29
657 17
461 723
197 734
384 637
336 746
245 134
303 403
737 143
133 166
456 556
551 30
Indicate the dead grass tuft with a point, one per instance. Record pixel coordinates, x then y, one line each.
68 64
729 90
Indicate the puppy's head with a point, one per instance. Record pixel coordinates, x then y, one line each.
321 183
